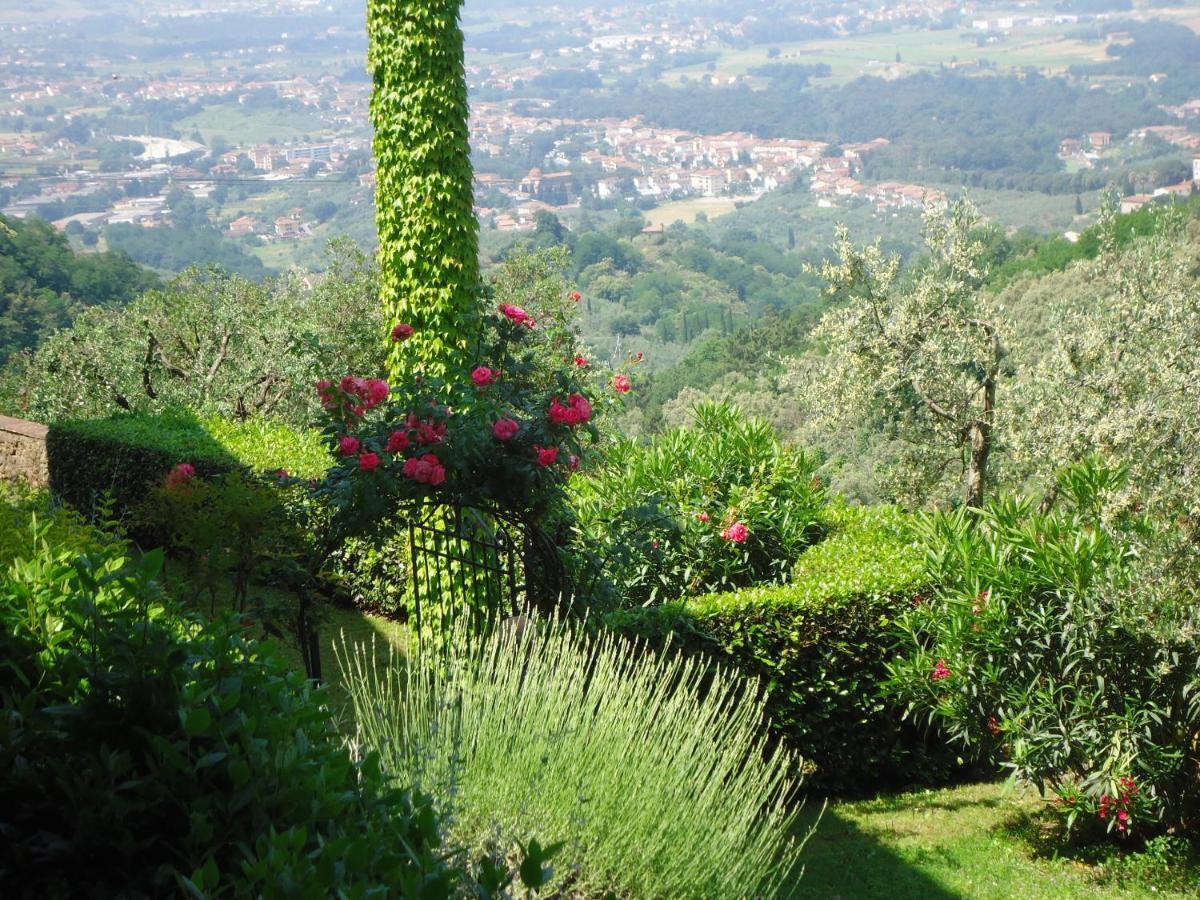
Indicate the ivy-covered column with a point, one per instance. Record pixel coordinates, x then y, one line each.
428 234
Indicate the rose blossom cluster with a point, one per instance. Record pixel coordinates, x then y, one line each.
353 396
576 411
426 469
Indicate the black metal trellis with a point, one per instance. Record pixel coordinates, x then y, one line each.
463 560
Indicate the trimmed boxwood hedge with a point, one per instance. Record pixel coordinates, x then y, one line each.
124 455
820 644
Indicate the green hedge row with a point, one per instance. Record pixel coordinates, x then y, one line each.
821 643
124 455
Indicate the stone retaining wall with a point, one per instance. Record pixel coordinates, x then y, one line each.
23 451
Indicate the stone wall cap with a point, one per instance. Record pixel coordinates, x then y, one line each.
23 427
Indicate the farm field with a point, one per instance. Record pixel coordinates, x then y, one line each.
875 54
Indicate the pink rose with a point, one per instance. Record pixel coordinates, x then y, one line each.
704 517
483 376
546 456
737 533
505 429
622 384
402 332
349 445
368 462
397 442
514 313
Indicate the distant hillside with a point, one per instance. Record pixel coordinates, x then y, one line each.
43 283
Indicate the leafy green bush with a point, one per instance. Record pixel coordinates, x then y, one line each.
125 455
716 506
1048 643
21 508
821 643
142 755
655 777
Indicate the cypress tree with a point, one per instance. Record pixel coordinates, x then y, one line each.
428 234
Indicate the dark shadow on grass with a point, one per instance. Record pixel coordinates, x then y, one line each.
842 861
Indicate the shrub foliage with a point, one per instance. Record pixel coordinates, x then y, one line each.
656 788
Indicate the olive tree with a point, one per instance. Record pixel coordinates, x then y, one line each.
1122 378
918 354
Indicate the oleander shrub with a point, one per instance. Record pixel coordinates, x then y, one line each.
821 644
652 772
716 506
1049 643
144 755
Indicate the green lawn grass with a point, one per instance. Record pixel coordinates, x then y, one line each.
974 841
241 125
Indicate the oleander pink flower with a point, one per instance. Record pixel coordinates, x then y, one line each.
180 475
368 461
622 384
737 533
349 445
397 442
941 671
505 429
402 332
483 376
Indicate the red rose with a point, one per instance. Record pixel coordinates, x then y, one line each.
368 462
402 332
349 445
483 376
505 429
576 296
397 442
581 361
704 517
622 384
546 456
425 469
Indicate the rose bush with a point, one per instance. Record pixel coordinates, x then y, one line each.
504 434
